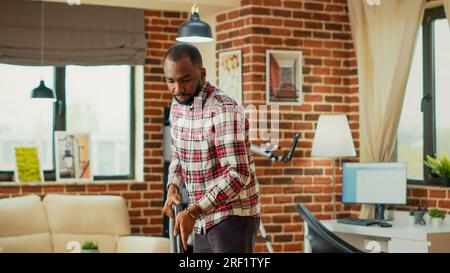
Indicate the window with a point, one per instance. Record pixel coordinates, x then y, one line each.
96 103
424 124
442 90
98 100
24 121
410 131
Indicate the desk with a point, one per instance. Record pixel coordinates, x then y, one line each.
402 237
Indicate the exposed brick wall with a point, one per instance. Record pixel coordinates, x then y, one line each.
144 199
430 196
321 30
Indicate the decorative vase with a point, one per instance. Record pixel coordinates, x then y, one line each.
418 218
436 222
445 181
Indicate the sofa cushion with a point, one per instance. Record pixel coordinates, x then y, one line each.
24 225
31 243
83 217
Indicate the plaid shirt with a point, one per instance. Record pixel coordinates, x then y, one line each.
211 156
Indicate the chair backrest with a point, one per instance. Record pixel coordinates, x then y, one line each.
320 238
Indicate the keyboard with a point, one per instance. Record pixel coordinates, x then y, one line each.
358 222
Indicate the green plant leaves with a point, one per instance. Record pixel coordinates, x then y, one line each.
439 166
90 245
437 213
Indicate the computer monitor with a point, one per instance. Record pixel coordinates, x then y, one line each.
374 183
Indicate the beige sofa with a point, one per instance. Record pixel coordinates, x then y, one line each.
28 224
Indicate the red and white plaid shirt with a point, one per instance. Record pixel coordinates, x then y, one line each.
211 156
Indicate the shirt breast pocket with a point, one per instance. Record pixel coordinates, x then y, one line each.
202 151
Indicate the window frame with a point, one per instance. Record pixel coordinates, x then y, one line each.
59 124
428 106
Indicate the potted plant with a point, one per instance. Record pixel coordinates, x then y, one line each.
89 247
437 217
440 167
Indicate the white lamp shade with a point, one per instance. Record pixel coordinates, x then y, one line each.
333 137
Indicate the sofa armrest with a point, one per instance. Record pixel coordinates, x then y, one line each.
143 244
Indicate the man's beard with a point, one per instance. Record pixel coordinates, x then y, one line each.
191 99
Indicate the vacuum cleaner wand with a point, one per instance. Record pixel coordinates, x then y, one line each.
268 152
273 157
291 151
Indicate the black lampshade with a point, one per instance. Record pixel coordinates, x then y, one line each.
42 92
194 31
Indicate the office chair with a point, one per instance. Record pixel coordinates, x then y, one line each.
320 238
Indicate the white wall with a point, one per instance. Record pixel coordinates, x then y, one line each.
208 50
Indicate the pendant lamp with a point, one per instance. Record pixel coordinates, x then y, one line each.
42 91
194 30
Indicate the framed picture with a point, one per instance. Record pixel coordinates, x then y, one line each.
72 156
284 77
230 74
28 167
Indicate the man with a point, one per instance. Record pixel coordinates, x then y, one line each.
211 157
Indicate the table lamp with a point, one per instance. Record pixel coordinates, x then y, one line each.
333 139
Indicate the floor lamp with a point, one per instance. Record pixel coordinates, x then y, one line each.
333 139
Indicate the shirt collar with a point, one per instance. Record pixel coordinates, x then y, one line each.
207 89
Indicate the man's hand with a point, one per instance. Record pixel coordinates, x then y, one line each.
173 197
184 224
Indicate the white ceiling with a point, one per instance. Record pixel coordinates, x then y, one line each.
206 6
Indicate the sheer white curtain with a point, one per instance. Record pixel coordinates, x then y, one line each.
384 38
